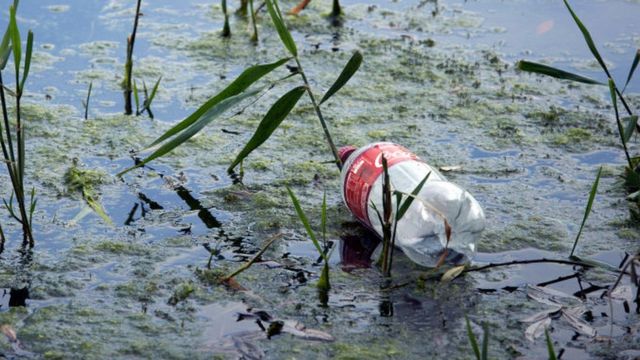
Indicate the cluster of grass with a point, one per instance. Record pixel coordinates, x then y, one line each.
243 88
129 83
12 130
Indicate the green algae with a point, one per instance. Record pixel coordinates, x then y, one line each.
181 293
572 136
123 248
377 350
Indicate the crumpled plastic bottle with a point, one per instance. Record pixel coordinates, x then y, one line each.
421 233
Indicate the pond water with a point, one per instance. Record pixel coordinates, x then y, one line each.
437 77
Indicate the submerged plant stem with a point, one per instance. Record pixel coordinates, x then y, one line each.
254 36
247 265
86 103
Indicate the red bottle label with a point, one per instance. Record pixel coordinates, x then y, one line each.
364 171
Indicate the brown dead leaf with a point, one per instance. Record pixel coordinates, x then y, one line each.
442 257
447 230
452 273
8 331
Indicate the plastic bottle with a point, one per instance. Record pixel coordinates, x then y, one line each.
421 231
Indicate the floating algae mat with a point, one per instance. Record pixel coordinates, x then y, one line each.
130 267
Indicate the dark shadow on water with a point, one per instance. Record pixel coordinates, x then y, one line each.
194 204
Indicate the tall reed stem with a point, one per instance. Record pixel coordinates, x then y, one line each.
128 88
16 168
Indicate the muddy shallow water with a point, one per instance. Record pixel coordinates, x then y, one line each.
437 77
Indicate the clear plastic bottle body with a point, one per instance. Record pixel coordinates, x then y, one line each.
421 233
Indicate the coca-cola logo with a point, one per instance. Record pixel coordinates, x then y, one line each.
391 155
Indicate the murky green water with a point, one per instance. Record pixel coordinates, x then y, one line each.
438 77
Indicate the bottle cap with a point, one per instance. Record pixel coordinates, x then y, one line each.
345 151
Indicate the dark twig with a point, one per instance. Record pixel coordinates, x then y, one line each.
531 261
247 265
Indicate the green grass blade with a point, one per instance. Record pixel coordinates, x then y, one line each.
407 203
33 203
187 134
621 130
15 40
154 90
270 123
5 48
98 209
472 339
634 65
550 350
553 72
485 343
136 97
285 35
587 210
352 66
240 84
632 121
587 38
27 59
323 282
305 223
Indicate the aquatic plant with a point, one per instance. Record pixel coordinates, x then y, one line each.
226 30
389 218
323 282
2 239
480 355
13 143
626 125
242 89
254 36
85 103
84 182
587 210
128 67
148 98
550 350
